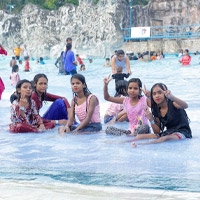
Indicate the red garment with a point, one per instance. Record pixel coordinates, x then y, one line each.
47 97
186 60
29 122
3 51
79 60
27 68
2 87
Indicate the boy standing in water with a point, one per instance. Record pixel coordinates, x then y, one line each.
17 52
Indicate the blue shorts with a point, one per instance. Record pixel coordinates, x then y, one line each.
92 127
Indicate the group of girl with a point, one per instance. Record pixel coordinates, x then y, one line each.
167 118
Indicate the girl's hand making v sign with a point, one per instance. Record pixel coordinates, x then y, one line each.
168 93
107 80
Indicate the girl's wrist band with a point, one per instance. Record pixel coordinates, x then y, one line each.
152 122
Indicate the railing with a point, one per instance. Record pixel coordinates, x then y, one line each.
161 32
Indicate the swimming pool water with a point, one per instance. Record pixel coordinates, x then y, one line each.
90 159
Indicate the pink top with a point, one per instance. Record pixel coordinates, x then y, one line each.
81 111
14 77
136 113
114 108
186 60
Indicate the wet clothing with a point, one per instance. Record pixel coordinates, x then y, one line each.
68 59
27 67
175 120
17 51
186 60
81 111
14 78
79 61
121 63
57 111
92 127
59 61
135 113
120 76
30 119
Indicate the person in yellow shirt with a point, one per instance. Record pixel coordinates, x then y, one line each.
17 52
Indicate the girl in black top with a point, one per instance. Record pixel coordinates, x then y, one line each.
168 118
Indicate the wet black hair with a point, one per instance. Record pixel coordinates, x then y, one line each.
139 82
14 68
107 59
82 66
18 86
35 80
120 52
77 55
13 58
41 58
86 91
68 39
121 88
187 52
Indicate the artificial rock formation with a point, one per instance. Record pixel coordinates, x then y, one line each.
96 30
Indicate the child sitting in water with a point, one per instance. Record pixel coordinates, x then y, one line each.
119 75
14 77
168 118
24 115
115 111
134 105
85 106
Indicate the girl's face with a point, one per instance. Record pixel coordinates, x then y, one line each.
158 95
77 85
26 89
186 53
41 85
133 90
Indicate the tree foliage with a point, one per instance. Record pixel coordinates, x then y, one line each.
49 4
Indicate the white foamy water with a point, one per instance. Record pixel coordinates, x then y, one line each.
85 166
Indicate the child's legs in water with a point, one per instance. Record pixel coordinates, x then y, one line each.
159 140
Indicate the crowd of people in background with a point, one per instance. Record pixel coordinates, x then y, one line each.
128 104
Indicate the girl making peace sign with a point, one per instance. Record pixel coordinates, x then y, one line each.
167 111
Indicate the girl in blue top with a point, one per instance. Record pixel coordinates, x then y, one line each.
69 60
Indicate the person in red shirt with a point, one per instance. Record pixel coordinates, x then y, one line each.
2 50
79 59
58 111
27 67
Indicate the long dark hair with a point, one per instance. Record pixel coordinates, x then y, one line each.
18 86
121 88
14 68
68 47
139 82
86 91
156 110
35 80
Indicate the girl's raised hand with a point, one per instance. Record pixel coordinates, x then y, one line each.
107 80
146 92
167 93
148 114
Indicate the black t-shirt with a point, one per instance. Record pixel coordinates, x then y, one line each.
175 120
120 76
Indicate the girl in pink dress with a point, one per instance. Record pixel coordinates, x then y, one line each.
85 106
134 105
14 77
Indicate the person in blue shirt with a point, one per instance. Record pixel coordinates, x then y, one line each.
69 60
